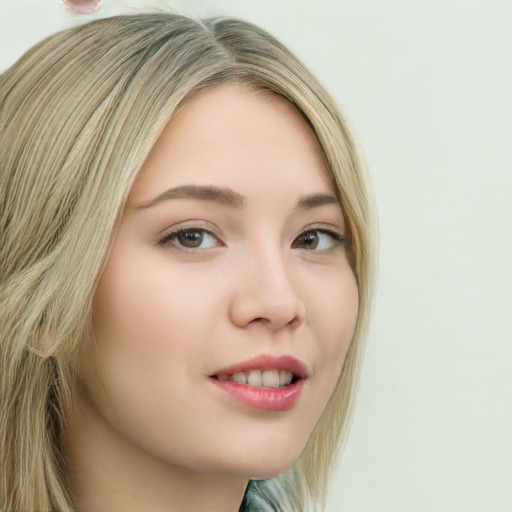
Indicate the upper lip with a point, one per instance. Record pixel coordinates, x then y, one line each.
269 362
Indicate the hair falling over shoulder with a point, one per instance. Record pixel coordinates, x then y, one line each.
79 114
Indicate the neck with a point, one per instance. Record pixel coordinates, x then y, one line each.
107 473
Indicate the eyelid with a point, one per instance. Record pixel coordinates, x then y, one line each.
165 236
326 228
335 233
329 229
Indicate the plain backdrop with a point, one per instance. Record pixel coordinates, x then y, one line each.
428 85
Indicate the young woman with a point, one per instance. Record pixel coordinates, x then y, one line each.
188 257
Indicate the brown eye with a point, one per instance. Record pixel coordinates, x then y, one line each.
317 240
191 238
308 240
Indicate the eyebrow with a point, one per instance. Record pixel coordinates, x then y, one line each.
225 196
315 200
229 197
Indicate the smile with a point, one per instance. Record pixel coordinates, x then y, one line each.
265 382
261 378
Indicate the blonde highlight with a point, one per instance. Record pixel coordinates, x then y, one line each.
80 112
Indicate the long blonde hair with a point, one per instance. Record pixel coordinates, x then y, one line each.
80 112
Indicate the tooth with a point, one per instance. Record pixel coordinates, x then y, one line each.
240 377
270 378
223 377
285 378
254 378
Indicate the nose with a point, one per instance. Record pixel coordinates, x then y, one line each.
265 295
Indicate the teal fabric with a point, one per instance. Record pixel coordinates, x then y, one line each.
254 502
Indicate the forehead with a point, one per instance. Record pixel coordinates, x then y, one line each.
235 137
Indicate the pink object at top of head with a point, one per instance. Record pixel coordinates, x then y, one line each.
82 6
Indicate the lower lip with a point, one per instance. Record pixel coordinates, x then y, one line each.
266 399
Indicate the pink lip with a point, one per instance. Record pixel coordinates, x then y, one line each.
267 399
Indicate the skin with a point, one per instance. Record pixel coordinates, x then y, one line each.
151 431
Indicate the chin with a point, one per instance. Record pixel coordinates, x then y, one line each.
266 473
268 463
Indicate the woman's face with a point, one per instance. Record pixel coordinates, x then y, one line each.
229 259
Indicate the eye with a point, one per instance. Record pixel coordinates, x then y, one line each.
190 238
318 240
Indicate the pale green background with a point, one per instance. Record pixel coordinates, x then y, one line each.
428 85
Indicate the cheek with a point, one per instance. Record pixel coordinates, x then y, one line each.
147 339
333 321
147 303
130 316
151 326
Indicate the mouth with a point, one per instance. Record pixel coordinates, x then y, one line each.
264 382
261 378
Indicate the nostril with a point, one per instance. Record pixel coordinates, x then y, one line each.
261 320
296 322
257 305
277 323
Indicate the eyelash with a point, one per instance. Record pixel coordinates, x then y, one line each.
166 239
337 238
